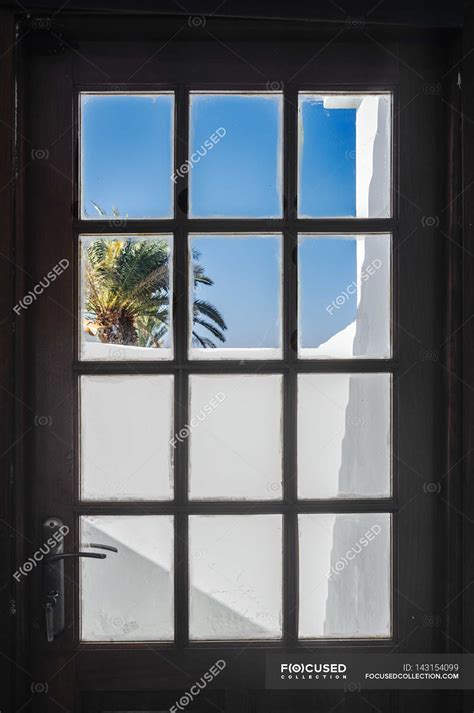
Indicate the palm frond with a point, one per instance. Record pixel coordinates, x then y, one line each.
203 342
208 310
211 328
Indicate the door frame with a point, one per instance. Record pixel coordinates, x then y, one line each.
15 233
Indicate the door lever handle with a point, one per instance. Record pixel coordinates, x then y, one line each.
53 577
73 555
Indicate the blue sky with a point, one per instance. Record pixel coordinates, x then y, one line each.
326 266
246 289
241 176
127 155
326 160
127 164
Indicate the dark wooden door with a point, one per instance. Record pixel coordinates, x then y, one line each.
120 56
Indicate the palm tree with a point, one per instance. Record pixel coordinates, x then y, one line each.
127 294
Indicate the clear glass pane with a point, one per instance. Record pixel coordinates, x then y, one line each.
235 297
344 296
235 163
126 156
345 575
129 595
126 298
126 437
345 155
235 432
235 576
344 435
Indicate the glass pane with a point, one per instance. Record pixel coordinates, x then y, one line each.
345 155
126 156
235 155
126 299
344 426
345 575
235 576
344 296
235 431
129 595
126 436
235 297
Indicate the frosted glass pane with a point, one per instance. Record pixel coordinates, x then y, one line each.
345 575
345 155
129 595
344 427
126 298
235 160
126 156
235 437
344 296
236 288
126 437
235 576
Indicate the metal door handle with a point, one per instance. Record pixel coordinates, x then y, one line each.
73 555
53 577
